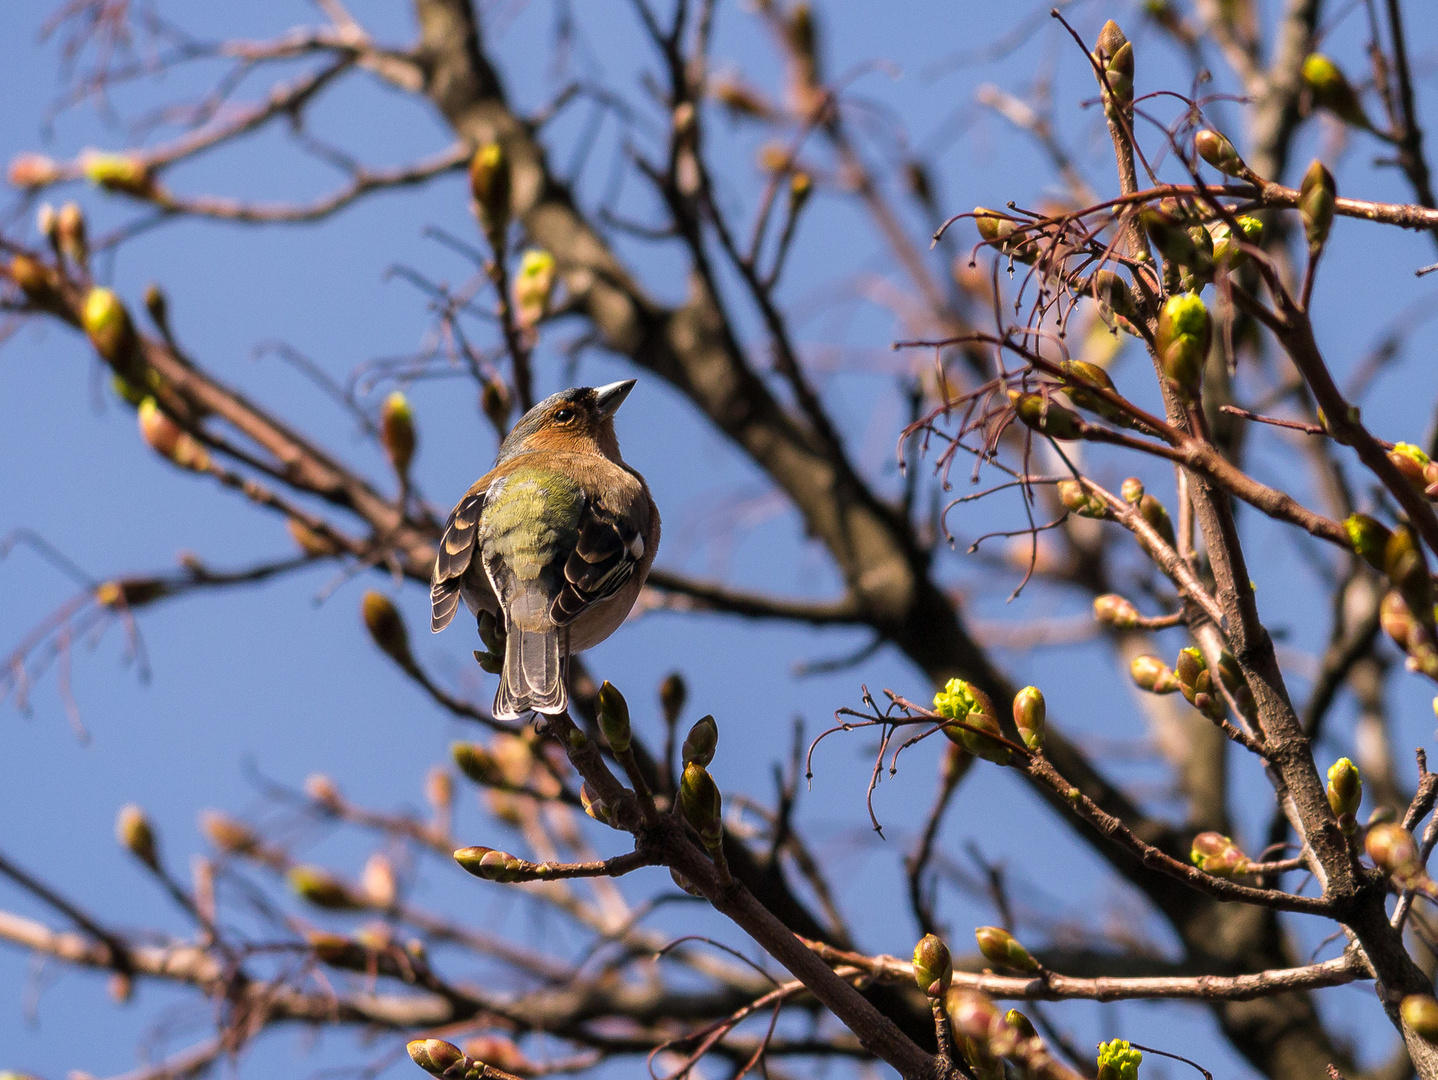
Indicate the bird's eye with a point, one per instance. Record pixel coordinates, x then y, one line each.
564 416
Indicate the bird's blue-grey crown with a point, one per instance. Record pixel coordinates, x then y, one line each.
600 402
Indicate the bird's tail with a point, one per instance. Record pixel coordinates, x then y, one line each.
533 676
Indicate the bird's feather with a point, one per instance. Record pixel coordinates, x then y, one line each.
456 552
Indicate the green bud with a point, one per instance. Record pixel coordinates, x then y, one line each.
1000 947
435 1056
933 966
108 326
1196 682
1021 1024
673 692
227 834
1227 247
1153 512
1412 462
320 888
1184 332
1152 674
1077 500
1030 714
1316 199
700 743
491 865
170 440
1369 538
614 717
997 229
133 830
1113 610
1393 851
1407 568
533 287
1215 149
1081 374
1114 54
386 627
1216 854
1420 1013
1118 1061
477 763
1116 298
489 182
71 234
118 172
34 279
1132 490
1046 416
701 804
396 431
1331 90
961 700
1345 793
1169 233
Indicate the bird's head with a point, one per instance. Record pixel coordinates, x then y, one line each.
577 420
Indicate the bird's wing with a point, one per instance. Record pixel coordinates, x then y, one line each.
456 552
609 546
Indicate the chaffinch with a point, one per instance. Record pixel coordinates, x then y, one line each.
555 541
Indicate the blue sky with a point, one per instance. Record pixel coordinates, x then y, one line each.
266 682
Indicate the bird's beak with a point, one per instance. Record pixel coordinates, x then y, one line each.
610 397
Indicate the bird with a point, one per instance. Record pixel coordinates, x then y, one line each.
554 542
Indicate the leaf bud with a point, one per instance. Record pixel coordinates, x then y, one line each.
801 186
378 882
124 173
1081 374
1393 851
136 835
71 234
1077 500
1215 149
1216 854
1113 610
1044 415
1420 1013
1021 1024
1114 54
309 541
1184 332
997 230
396 431
322 790
1196 682
490 864
961 700
594 806
495 403
227 834
1345 793
533 287
1228 248
1407 568
1030 716
1412 462
108 325
435 1056
700 743
33 278
33 170
1002 948
673 692
1316 199
1152 674
1132 490
614 717
701 804
439 789
477 763
1168 230
933 966
1117 1060
489 182
685 884
320 888
1331 90
386 627
1116 299
1153 512
1368 537
170 440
